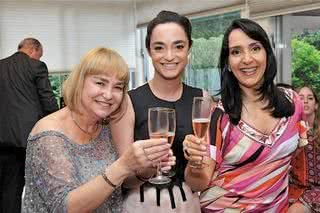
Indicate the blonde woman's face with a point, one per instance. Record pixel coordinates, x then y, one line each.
102 95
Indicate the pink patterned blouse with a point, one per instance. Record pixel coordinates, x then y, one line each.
252 168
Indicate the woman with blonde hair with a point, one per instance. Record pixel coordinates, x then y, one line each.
71 163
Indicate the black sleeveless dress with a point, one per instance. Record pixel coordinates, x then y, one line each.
142 98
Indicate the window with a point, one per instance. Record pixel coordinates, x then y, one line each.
56 81
207 34
306 59
202 71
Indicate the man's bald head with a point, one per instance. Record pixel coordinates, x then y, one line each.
32 47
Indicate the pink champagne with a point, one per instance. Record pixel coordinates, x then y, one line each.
170 137
156 135
200 126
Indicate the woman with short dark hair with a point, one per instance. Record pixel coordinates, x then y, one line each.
168 42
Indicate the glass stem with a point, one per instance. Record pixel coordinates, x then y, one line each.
159 173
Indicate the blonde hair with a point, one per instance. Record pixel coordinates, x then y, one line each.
99 60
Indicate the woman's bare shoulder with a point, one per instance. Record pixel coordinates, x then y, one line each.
54 121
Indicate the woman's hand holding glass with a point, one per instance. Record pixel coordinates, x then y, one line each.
168 162
194 151
201 115
158 127
144 154
171 134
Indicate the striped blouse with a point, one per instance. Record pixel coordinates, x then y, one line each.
252 168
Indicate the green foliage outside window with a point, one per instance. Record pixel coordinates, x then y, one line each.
306 60
311 38
205 52
55 84
56 81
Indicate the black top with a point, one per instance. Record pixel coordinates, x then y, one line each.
26 96
142 98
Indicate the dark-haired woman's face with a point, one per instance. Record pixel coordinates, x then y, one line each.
247 59
169 48
309 102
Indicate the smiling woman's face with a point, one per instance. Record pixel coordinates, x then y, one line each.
101 95
169 48
247 59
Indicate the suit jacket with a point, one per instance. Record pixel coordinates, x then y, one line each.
25 97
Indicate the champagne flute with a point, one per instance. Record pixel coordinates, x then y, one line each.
171 134
201 115
158 127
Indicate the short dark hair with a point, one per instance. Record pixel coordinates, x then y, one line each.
169 17
278 103
29 43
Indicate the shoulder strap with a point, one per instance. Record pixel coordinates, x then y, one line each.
215 125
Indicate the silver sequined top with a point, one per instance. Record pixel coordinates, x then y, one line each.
55 165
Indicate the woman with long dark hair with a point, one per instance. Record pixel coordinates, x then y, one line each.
258 130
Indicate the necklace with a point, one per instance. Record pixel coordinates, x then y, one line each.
83 130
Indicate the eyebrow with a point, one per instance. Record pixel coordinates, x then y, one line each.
100 78
250 45
107 80
301 95
162 43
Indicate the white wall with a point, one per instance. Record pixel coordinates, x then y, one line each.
69 29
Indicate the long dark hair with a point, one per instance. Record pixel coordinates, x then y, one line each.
278 103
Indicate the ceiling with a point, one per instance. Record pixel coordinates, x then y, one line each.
308 13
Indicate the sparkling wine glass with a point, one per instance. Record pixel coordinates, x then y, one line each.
158 126
201 115
171 134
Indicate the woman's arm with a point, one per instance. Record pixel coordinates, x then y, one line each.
52 172
122 130
92 194
123 136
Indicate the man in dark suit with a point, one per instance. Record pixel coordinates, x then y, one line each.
25 97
